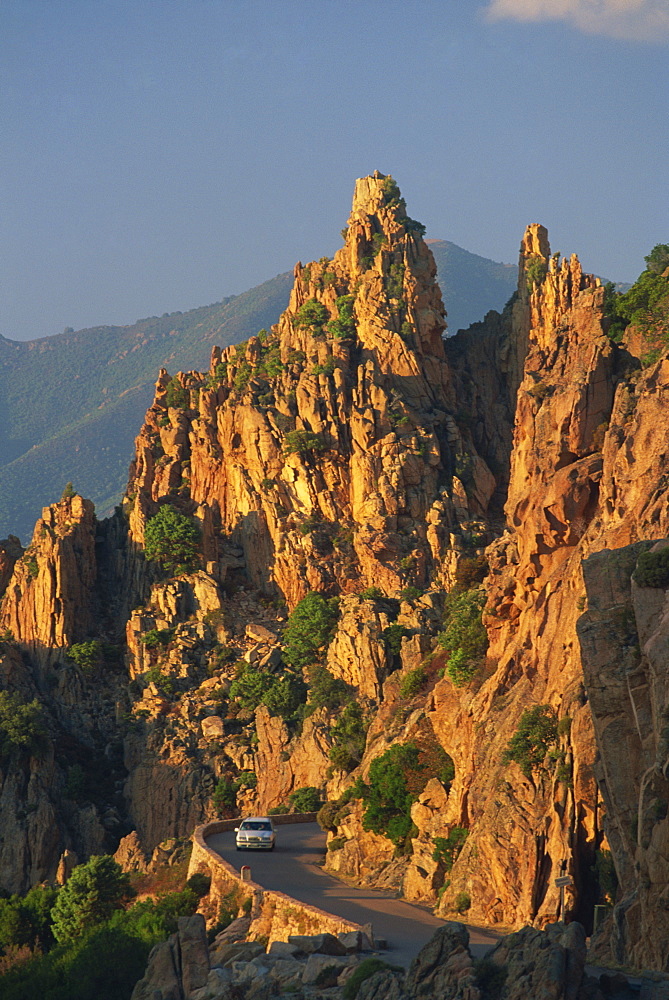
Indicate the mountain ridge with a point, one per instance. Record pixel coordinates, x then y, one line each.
59 393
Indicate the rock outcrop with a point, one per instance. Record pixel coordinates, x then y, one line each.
353 452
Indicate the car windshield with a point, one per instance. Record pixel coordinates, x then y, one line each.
255 824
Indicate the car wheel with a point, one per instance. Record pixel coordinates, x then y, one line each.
272 847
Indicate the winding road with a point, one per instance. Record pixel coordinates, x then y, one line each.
294 868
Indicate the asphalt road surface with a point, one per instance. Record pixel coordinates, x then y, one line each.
293 867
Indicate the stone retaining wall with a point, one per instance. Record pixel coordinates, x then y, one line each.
275 916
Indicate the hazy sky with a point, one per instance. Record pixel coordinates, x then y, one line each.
160 154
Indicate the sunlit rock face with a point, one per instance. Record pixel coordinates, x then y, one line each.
352 451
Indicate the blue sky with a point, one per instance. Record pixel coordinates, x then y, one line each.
160 154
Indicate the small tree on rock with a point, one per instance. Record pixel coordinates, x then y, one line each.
172 539
89 897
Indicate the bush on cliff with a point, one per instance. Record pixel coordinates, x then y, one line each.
172 539
537 732
282 695
349 735
305 800
309 630
464 636
22 726
90 895
652 569
387 796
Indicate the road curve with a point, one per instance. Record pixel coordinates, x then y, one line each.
293 868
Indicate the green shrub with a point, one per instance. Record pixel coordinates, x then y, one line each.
164 682
305 800
652 569
536 270
327 691
337 843
173 539
22 726
395 280
413 682
282 695
464 636
300 442
535 735
349 736
392 196
92 654
285 696
68 492
312 314
388 800
176 395
75 783
371 594
344 327
447 849
106 960
31 562
26 920
564 726
250 685
199 883
392 638
410 593
462 902
90 895
325 369
157 637
224 798
367 968
309 630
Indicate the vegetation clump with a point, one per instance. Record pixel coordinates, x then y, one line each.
652 569
282 695
464 636
312 315
447 849
344 327
349 735
305 800
90 895
387 796
413 682
309 629
646 303
80 941
300 442
537 732
367 968
536 270
172 539
22 726
91 655
156 637
176 395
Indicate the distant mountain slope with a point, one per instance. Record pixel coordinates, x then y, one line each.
71 405
470 285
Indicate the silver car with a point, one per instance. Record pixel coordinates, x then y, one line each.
255 833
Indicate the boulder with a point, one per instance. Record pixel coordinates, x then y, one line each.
325 944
